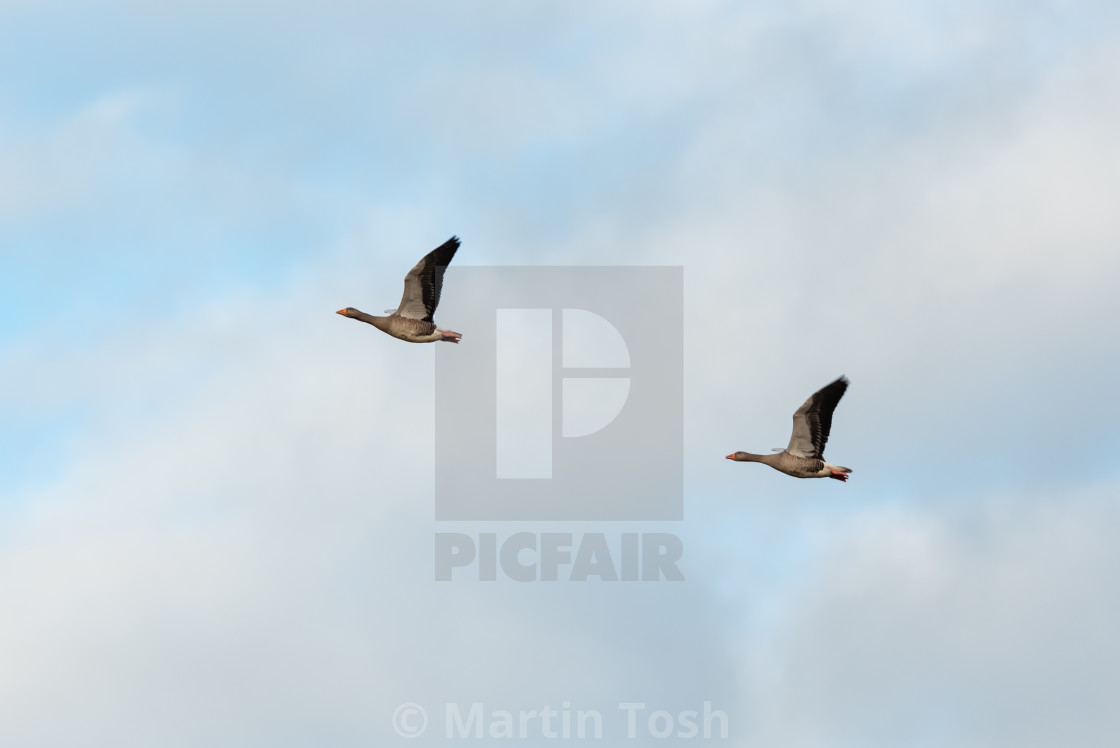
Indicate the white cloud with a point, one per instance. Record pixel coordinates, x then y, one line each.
254 562
990 624
237 549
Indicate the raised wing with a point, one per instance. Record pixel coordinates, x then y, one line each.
813 421
424 282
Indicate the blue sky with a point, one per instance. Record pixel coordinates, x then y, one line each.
212 518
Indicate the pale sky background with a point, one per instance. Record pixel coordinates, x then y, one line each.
216 498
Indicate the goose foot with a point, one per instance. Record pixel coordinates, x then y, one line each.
838 475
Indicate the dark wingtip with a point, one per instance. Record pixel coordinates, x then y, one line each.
447 250
838 385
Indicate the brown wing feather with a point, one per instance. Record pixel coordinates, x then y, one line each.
424 282
812 422
819 414
431 277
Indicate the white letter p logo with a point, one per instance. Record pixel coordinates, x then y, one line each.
591 394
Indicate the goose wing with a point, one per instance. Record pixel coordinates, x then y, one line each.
424 282
813 421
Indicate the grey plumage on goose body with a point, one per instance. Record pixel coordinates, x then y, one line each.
413 320
812 422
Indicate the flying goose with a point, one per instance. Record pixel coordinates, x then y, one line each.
804 457
413 320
